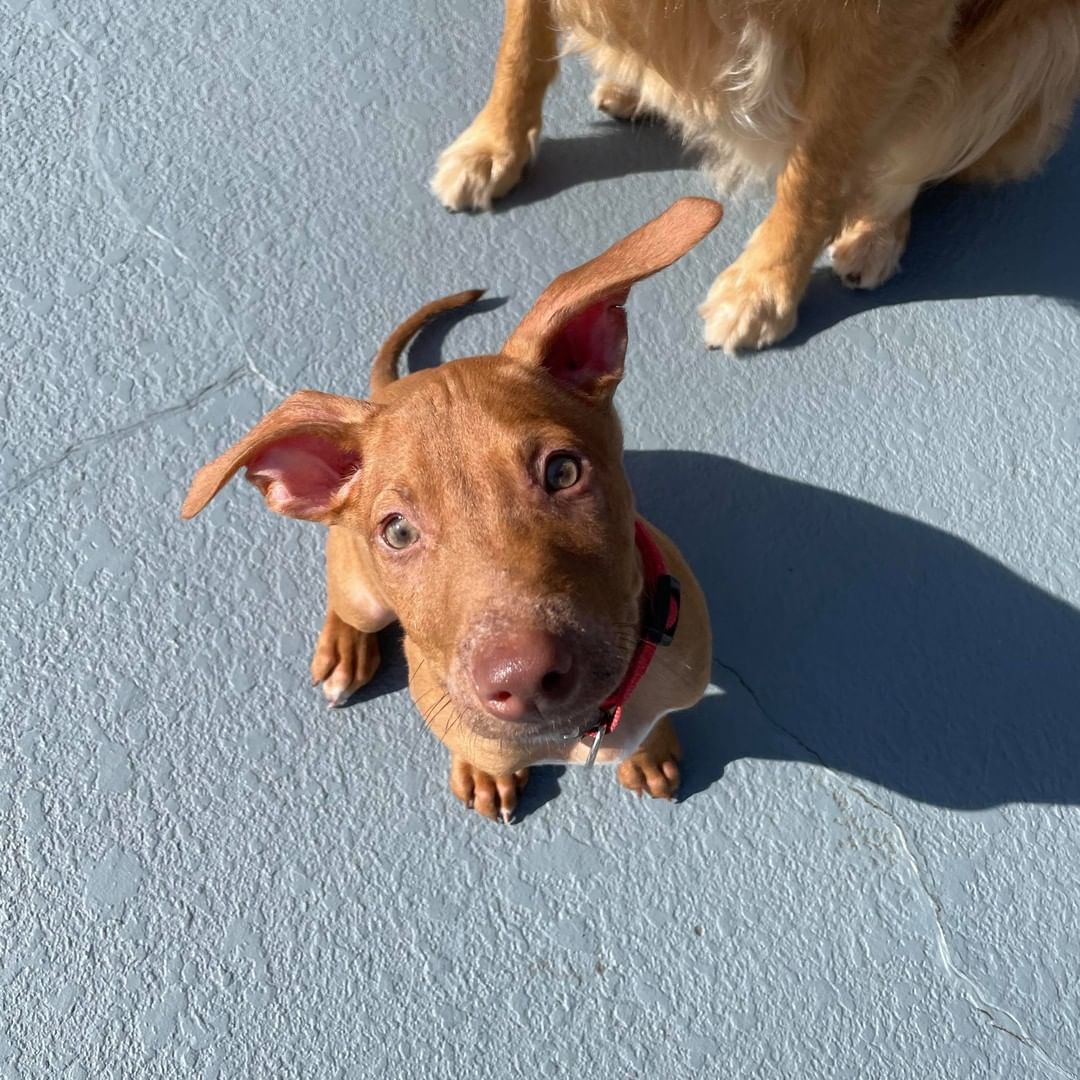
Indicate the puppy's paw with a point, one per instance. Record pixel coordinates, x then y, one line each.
867 253
618 101
345 659
494 797
749 309
654 766
481 165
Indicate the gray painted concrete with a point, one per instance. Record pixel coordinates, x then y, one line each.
873 872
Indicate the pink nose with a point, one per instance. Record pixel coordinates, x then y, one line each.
522 670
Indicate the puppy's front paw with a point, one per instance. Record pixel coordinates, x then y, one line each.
867 253
654 766
749 308
481 165
495 797
345 659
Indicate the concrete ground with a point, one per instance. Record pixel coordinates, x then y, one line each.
873 870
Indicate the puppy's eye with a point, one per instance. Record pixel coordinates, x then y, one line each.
399 532
561 471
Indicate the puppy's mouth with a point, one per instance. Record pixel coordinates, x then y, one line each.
535 729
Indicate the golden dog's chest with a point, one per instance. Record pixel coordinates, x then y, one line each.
729 81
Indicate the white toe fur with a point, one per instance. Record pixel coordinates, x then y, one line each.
479 167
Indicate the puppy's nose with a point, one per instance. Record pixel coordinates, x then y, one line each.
523 670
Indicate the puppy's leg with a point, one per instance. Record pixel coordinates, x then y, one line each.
347 653
487 159
345 659
846 109
654 766
494 794
495 797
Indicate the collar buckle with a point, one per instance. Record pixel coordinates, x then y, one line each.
607 722
594 749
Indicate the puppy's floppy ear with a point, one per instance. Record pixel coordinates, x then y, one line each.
301 456
577 329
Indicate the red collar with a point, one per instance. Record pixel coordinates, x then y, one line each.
660 619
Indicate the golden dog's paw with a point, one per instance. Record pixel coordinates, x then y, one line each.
866 254
494 797
481 165
749 309
654 766
345 659
618 101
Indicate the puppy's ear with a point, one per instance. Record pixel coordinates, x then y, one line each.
302 456
577 329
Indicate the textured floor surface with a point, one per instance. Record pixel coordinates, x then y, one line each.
873 871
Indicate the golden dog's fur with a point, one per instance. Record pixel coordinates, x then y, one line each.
854 106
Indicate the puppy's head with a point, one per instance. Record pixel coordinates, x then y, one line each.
490 499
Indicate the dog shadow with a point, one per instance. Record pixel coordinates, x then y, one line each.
616 148
849 636
967 241
426 349
971 241
853 637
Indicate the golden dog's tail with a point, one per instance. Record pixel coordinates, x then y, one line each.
384 369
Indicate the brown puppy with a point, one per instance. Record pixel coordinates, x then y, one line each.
853 104
484 505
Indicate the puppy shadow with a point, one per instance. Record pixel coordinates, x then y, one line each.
879 646
612 150
970 241
543 786
393 671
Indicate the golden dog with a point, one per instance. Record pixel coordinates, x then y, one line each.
854 105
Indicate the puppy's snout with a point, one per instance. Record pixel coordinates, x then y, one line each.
522 672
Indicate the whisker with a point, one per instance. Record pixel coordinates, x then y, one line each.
430 690
429 714
412 675
442 708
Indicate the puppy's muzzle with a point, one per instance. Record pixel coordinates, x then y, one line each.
524 675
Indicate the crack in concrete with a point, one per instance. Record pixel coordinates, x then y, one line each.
136 220
88 443
1000 1018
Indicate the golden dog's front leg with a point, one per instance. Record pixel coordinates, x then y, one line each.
488 158
754 303
859 72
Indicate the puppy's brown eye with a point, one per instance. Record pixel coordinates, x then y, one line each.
399 532
561 471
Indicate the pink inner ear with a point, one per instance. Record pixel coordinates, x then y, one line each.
590 345
300 475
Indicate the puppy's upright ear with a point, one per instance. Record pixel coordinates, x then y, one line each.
577 329
302 456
